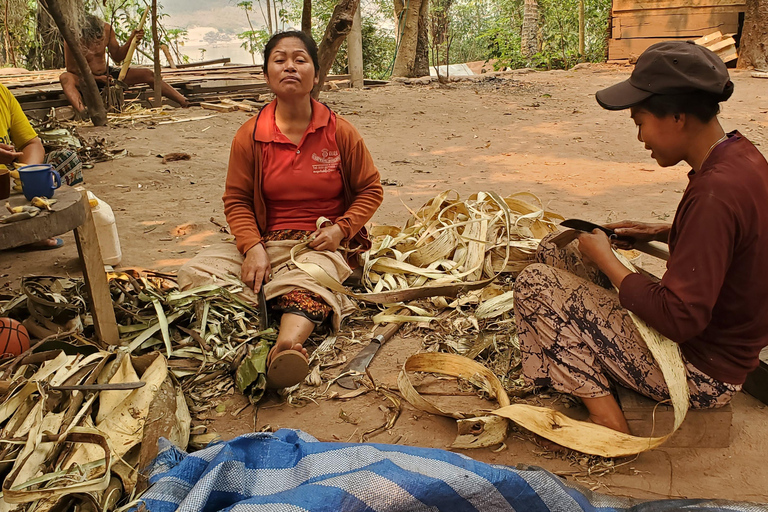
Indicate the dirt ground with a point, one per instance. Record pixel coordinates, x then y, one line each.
540 132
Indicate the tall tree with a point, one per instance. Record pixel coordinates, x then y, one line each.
335 32
269 18
529 45
306 17
412 34
48 53
753 50
65 14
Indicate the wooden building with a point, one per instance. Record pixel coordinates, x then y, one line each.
637 24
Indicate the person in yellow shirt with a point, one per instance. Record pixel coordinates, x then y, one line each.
18 140
19 143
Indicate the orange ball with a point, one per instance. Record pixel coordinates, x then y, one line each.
14 338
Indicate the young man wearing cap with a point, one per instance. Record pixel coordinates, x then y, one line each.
576 333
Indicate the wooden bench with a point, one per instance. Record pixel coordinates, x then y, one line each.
702 428
757 381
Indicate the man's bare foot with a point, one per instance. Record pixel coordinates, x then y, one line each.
82 115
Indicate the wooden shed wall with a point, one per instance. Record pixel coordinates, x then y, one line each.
637 24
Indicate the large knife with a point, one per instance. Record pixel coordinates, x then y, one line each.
356 367
263 313
582 225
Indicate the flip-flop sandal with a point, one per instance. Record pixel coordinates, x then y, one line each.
37 246
287 369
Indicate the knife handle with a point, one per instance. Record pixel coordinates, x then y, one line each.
652 250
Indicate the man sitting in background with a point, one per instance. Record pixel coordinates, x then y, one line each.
98 36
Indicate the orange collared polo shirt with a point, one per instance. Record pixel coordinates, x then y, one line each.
303 182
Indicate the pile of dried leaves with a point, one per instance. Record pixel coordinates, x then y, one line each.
57 135
79 420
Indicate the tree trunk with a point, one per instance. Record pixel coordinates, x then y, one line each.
269 17
355 50
581 28
306 17
338 27
408 34
439 21
529 45
49 52
158 95
90 92
421 63
753 49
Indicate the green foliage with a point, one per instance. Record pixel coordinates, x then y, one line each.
378 39
253 41
490 29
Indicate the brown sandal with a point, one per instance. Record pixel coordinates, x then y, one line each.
286 369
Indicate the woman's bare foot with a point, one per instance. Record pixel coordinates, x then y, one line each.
50 243
286 345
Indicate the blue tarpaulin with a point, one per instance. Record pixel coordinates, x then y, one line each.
290 471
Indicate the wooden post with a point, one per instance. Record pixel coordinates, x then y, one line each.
88 248
90 92
337 29
158 97
355 50
168 56
581 28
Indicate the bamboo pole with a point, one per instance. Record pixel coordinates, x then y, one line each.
158 96
132 49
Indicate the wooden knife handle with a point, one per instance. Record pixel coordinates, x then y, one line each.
652 250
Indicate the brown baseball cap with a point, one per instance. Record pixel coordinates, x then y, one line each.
669 67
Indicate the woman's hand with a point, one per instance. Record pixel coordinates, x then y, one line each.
8 154
640 231
256 268
327 238
596 246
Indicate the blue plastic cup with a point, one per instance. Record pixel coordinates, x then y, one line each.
39 180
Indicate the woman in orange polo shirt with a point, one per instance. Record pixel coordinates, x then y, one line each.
297 173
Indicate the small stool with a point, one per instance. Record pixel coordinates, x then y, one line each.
701 428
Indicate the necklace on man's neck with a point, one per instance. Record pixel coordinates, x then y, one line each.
713 146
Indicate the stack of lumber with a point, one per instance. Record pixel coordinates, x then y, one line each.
200 85
41 90
637 24
723 45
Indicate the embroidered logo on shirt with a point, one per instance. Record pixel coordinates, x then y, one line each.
327 161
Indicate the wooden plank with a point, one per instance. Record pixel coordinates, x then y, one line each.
96 283
66 215
642 5
728 54
218 107
632 48
224 60
757 381
722 45
661 24
240 105
710 38
702 428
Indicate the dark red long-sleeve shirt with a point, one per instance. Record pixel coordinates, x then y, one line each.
713 299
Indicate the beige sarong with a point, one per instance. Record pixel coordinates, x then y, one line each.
222 263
